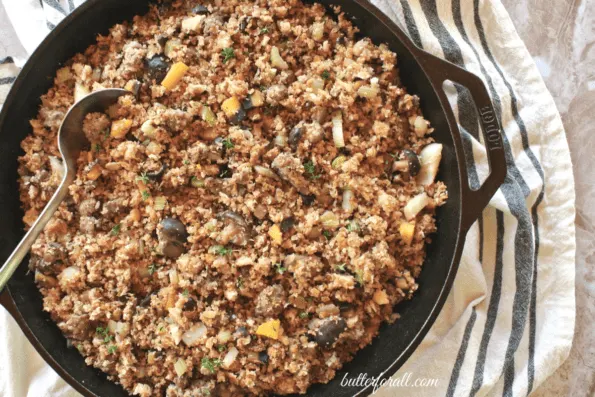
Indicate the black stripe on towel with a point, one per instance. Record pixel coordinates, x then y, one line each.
7 80
71 5
55 5
521 302
461 355
7 60
410 22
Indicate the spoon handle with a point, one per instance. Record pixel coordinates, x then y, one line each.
14 260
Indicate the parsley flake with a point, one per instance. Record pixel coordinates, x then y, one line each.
116 230
186 293
304 315
325 75
311 171
112 349
327 234
227 54
340 267
221 348
97 147
152 268
210 364
227 143
280 268
221 250
264 30
144 178
145 195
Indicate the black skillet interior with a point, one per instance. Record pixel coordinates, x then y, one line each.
395 342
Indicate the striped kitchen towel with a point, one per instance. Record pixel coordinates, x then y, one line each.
509 320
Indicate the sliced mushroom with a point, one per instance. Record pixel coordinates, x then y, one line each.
295 136
329 331
157 68
157 175
172 236
237 231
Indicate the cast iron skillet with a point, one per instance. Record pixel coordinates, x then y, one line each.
421 73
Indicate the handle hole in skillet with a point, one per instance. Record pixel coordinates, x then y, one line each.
467 117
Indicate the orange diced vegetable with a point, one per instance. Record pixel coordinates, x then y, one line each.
175 74
120 128
407 231
276 234
270 329
94 173
231 106
381 298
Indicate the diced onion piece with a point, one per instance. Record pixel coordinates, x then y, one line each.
420 126
194 334
174 76
120 128
148 129
171 46
281 140
160 203
180 367
257 98
69 274
318 83
270 329
208 115
318 31
276 59
347 201
338 137
260 170
230 357
329 220
276 234
80 91
367 92
429 159
415 205
407 231
173 277
231 106
223 336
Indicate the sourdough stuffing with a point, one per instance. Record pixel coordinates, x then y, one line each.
219 239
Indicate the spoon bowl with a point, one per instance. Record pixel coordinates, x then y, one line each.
71 141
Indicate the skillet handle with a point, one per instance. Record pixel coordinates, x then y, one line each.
474 201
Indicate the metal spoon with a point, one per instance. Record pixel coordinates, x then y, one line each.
71 140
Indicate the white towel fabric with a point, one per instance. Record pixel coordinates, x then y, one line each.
509 320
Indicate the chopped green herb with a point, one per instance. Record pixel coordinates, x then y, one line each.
97 147
79 347
326 75
264 30
161 329
228 144
186 293
144 178
145 195
311 170
112 349
239 282
280 268
304 315
106 133
107 338
262 88
116 230
210 364
186 162
340 267
224 173
227 54
205 391
221 250
153 268
221 348
327 234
